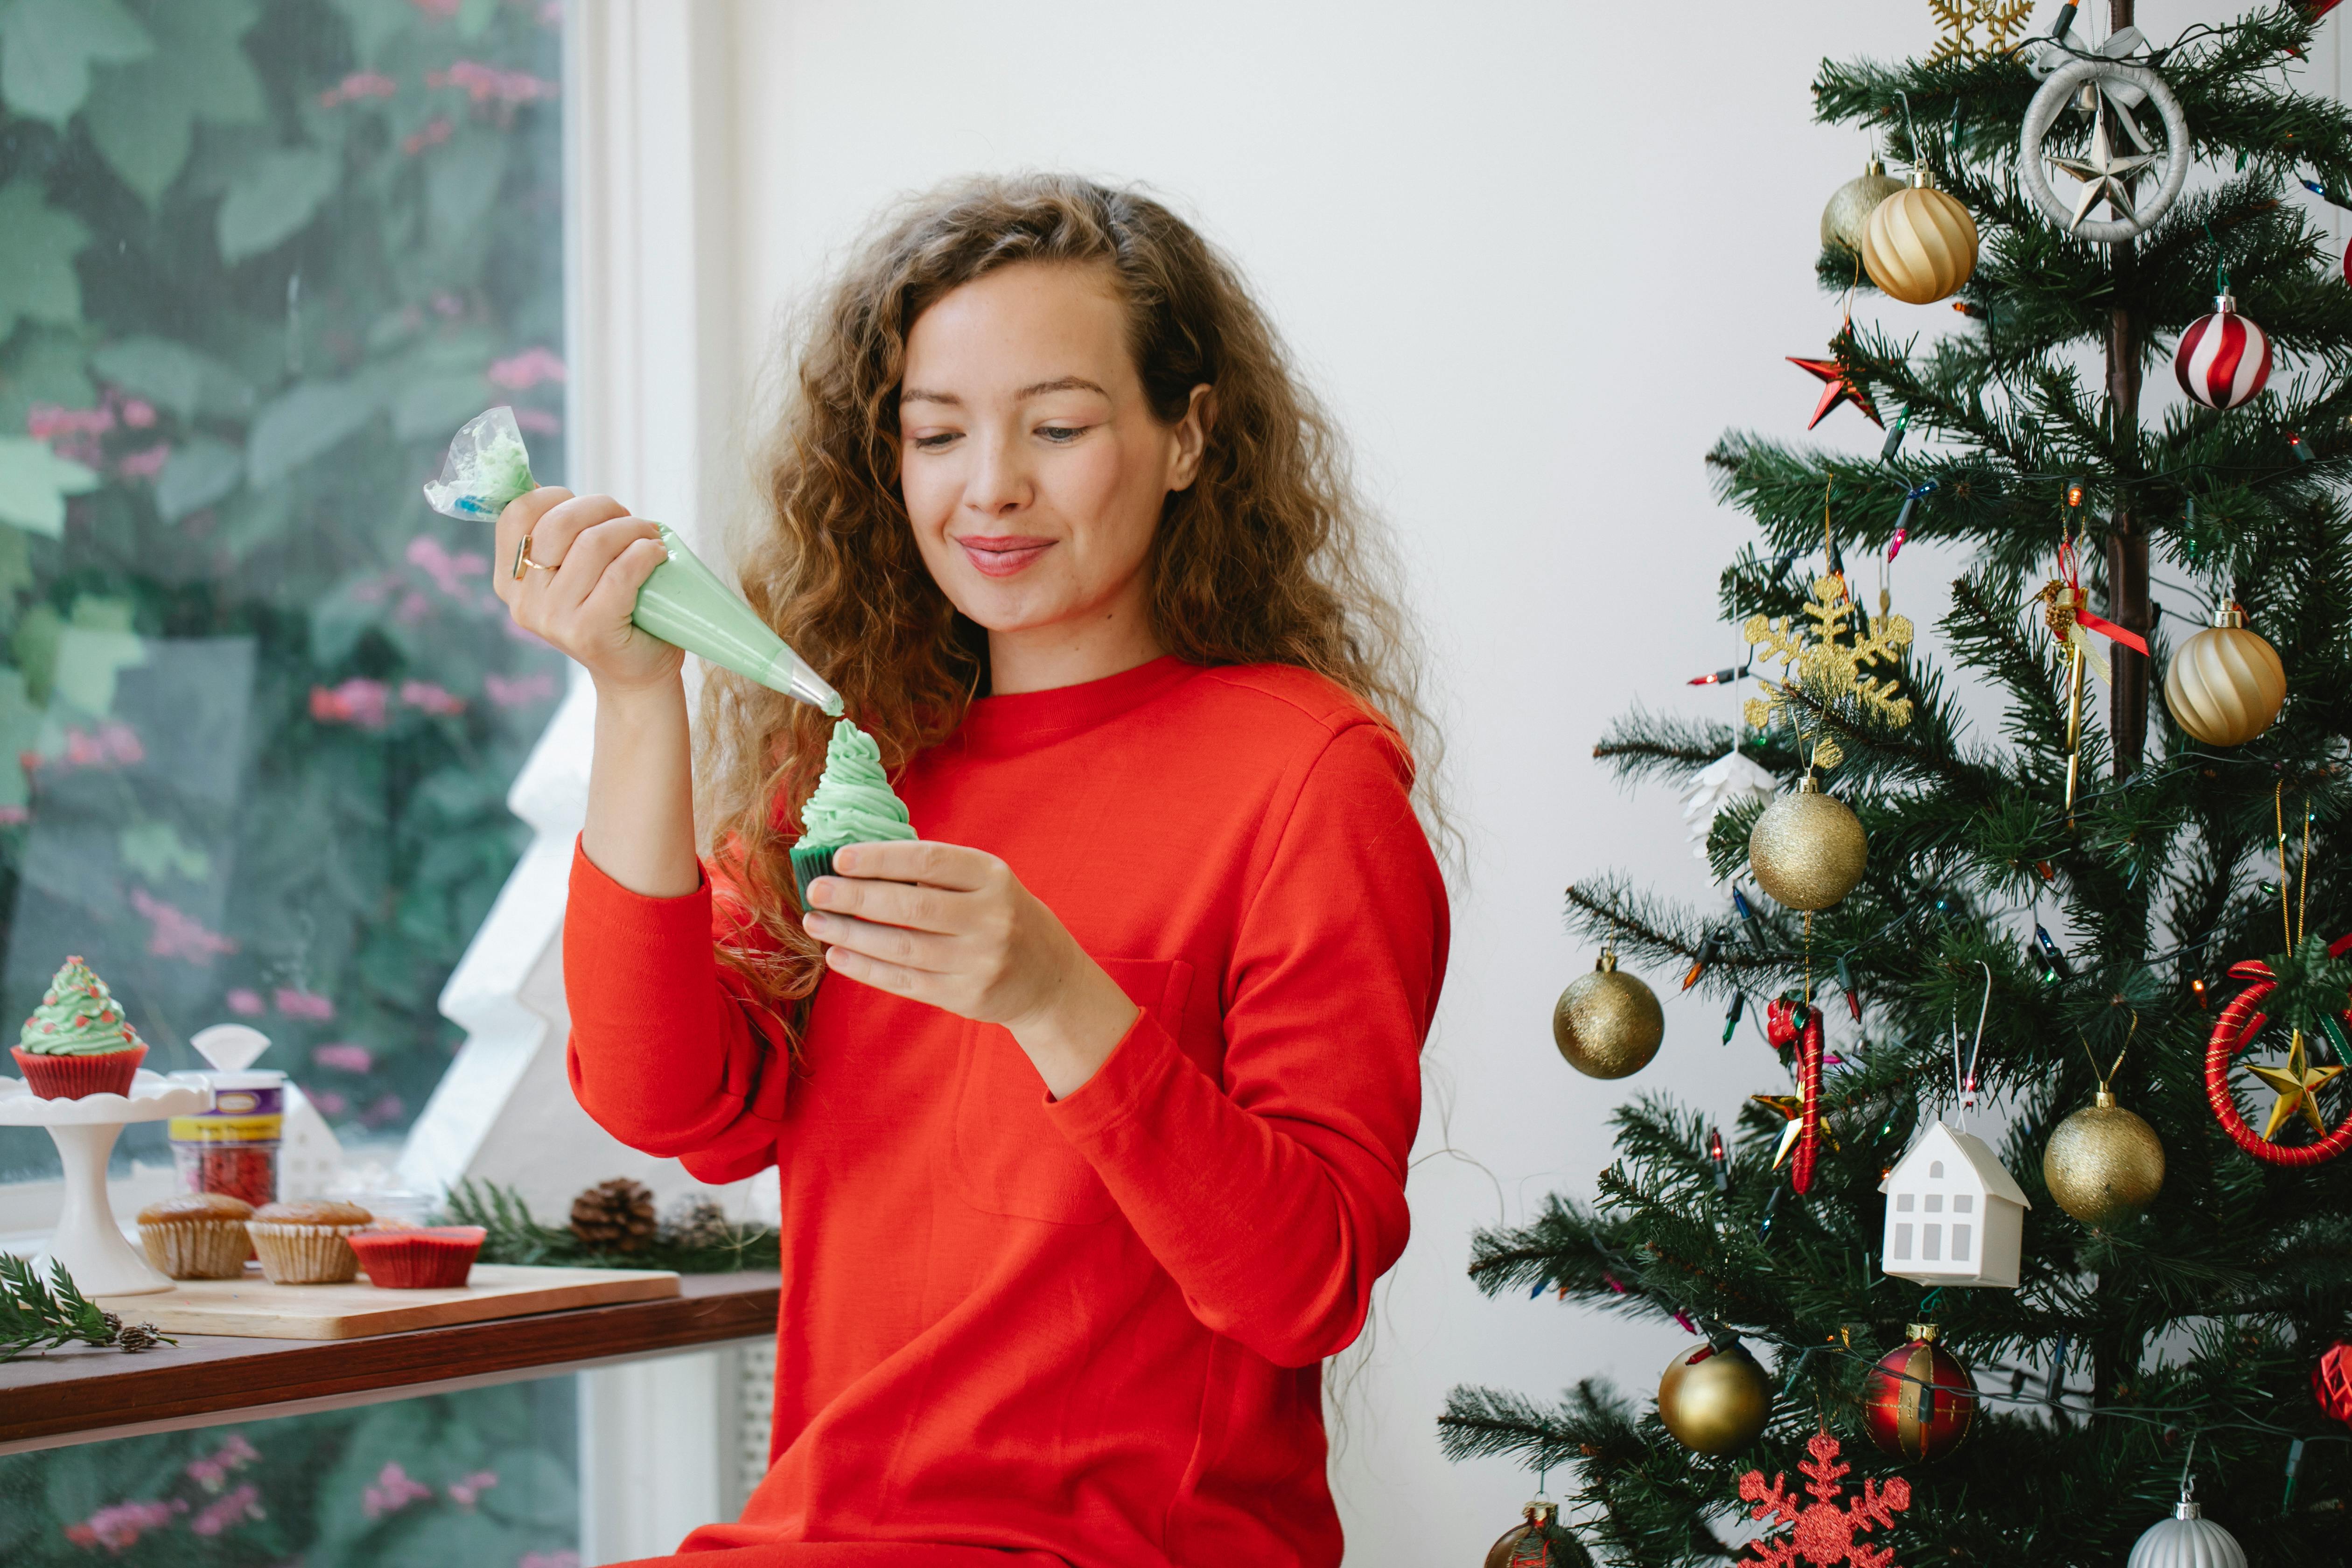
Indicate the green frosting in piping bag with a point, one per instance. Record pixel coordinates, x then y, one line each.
854 802
77 1017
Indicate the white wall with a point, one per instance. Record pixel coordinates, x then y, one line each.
1536 256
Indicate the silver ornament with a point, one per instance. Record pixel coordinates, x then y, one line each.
2107 174
2187 1540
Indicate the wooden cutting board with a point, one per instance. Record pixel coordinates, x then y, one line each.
255 1309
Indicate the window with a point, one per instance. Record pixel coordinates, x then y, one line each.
489 1477
258 708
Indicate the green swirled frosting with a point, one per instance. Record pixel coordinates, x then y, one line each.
78 1017
854 802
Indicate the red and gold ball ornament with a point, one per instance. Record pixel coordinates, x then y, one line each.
1539 1542
2296 1084
1919 1400
2331 1381
2223 359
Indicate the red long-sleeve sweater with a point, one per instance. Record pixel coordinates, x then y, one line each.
1086 1330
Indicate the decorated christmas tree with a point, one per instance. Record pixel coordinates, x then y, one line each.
2039 1212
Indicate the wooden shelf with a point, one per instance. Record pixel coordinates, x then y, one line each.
80 1394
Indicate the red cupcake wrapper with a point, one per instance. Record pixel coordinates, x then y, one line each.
77 1078
428 1258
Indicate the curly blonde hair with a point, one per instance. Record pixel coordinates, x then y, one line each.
1267 558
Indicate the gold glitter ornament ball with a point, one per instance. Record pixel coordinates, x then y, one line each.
1715 1401
1808 849
1608 1023
2226 684
1851 205
2104 1164
1920 244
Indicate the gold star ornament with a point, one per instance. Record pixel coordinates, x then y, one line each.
2297 1086
1792 1106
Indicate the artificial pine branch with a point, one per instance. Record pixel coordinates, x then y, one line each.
34 1316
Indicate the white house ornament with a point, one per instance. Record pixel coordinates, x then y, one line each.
2112 168
2187 1540
1734 779
1954 1216
2223 359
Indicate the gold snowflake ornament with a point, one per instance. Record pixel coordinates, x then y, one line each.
1826 656
1978 29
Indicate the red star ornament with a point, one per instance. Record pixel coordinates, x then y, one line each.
1826 1527
1837 387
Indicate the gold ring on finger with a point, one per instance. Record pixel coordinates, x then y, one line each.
522 558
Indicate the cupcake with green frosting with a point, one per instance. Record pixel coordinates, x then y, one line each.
854 803
78 1043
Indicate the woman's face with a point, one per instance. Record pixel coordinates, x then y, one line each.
1032 467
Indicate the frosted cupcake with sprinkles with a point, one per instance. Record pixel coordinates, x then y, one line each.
78 1043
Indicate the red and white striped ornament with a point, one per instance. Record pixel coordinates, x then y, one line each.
2223 359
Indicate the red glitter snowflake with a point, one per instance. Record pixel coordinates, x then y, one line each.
1826 1527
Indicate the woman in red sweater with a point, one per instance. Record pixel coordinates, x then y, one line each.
1092 1142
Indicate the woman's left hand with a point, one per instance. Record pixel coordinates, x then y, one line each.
954 927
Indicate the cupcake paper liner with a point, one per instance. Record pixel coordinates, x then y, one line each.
304 1254
426 1258
810 864
197 1248
79 1078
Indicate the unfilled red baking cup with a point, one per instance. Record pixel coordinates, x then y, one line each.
426 1258
77 1078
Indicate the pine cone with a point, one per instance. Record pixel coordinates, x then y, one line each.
614 1216
698 1225
137 1337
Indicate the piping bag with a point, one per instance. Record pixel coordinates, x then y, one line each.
683 603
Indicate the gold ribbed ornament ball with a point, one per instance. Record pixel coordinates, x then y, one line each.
1851 205
2226 684
1714 1402
1608 1023
2104 1164
1920 244
1808 849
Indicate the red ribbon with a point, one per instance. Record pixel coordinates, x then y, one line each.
2123 636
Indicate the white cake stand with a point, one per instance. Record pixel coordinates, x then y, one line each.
88 1241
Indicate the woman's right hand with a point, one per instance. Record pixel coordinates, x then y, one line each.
588 557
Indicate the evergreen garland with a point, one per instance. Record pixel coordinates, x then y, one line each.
515 1235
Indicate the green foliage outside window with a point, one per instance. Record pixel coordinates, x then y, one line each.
488 1478
258 708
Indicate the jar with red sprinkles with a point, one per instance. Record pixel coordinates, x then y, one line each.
233 1148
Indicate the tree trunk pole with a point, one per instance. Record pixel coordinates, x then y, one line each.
2127 596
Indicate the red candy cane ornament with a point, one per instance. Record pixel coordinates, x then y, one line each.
1809 1085
2233 1032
